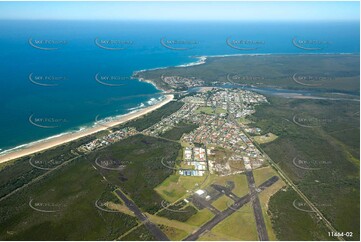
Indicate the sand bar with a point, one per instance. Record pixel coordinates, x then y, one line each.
50 143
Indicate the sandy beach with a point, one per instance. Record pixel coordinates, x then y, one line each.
53 142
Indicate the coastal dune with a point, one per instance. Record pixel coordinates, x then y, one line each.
56 141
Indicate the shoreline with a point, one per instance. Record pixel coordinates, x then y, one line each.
202 59
59 139
153 84
51 142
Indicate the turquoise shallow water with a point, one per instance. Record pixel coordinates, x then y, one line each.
70 80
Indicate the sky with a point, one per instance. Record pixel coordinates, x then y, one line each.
180 11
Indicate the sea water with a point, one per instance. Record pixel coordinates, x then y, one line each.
71 81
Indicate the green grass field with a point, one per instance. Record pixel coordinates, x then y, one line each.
240 182
263 174
240 225
222 203
200 217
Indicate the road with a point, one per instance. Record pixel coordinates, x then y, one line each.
257 209
155 231
223 215
298 191
225 191
203 203
283 175
256 204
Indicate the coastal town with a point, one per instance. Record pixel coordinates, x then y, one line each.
107 139
180 121
218 113
179 82
220 143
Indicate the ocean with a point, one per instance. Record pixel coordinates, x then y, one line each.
62 76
